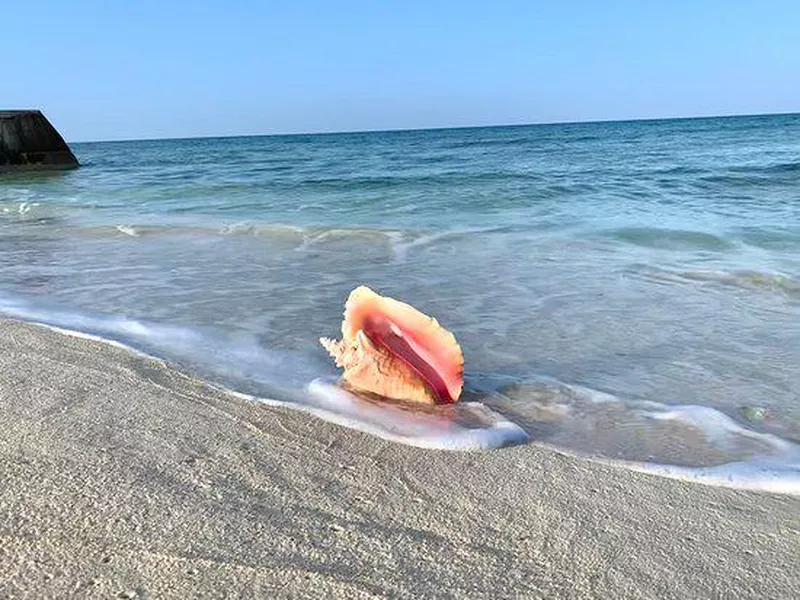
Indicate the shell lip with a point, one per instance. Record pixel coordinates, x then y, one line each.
385 334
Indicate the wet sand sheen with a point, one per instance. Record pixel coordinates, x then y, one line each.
121 475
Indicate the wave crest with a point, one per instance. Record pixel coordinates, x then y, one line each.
670 239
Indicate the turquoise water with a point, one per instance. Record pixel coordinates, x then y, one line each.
597 275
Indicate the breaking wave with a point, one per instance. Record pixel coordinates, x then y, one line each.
691 442
764 281
670 239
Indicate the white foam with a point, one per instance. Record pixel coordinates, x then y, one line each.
773 463
780 475
593 396
401 244
96 338
779 471
717 427
20 208
424 430
128 230
228 358
763 280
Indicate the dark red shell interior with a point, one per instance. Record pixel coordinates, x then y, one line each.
381 332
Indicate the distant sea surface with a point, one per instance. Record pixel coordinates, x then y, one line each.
627 290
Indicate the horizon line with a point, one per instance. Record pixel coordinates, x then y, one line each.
435 128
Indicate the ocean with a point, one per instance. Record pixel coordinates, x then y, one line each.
628 291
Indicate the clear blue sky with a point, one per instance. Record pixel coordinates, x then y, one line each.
169 68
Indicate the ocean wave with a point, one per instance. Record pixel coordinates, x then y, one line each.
490 142
18 201
748 176
769 169
18 208
398 242
275 231
29 212
770 238
679 170
779 283
698 443
448 178
138 230
670 239
296 237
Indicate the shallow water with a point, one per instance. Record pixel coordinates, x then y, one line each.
655 264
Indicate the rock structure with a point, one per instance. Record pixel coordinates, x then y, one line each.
29 142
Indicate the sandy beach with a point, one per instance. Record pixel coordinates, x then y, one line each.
121 477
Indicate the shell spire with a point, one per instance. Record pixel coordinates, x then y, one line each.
390 348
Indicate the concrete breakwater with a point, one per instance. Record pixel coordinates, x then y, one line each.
28 142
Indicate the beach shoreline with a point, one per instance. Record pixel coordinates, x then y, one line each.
121 477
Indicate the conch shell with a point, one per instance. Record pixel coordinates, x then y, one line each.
391 349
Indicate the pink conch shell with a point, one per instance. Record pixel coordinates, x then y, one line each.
391 349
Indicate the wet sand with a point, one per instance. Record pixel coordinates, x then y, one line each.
120 477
